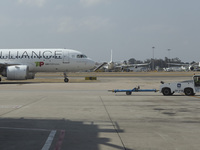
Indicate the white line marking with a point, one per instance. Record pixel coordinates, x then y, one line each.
49 140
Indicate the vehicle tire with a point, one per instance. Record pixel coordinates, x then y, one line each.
166 91
128 93
66 80
189 92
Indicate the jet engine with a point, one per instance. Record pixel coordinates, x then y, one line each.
18 72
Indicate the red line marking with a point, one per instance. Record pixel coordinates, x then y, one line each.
60 140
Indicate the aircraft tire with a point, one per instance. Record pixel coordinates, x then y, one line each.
66 80
128 93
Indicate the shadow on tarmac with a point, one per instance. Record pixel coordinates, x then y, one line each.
32 134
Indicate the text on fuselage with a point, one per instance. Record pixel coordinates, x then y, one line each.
31 54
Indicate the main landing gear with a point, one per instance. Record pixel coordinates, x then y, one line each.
66 80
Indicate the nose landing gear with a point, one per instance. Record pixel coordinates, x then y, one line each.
66 80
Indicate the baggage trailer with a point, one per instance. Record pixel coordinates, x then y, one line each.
136 89
190 87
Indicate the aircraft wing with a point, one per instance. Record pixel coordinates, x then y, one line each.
175 64
196 64
135 65
4 65
7 64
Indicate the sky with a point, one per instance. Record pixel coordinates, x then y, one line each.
129 27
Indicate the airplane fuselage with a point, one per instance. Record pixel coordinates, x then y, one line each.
45 60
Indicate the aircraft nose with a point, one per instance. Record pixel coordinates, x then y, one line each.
91 64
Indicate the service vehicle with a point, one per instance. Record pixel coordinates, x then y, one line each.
190 87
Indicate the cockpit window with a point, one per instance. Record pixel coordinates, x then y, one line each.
81 56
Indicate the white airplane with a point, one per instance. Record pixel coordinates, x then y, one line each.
183 67
111 65
134 66
194 66
22 64
170 69
107 65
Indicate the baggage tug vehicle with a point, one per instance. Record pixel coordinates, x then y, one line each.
190 88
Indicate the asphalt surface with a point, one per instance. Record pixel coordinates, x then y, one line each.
74 116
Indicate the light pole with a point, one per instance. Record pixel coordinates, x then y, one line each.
153 58
169 57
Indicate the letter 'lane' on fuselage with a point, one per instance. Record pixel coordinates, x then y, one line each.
56 54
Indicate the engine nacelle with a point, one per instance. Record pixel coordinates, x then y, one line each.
18 72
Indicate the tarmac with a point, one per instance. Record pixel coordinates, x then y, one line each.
48 114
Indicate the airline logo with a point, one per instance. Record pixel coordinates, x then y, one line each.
39 64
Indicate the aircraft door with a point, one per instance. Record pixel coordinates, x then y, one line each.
65 56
